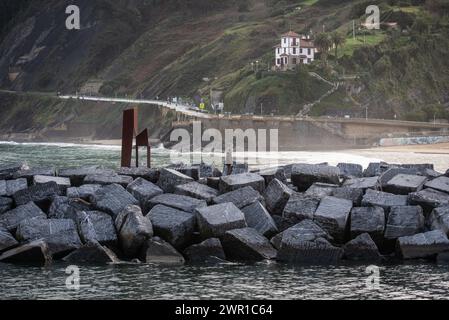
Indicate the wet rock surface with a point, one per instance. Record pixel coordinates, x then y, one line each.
324 214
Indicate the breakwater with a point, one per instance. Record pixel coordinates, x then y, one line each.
295 214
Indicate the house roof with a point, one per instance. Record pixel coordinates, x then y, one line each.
291 34
307 44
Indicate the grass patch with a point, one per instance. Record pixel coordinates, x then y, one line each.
360 41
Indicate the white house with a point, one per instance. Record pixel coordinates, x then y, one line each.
294 50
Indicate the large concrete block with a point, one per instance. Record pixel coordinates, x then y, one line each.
157 251
63 183
300 207
8 171
97 226
10 220
240 198
40 194
238 181
276 196
66 208
305 175
170 178
369 220
375 169
38 171
383 199
423 245
84 192
143 191
61 235
77 175
439 184
9 187
270 174
429 199
7 241
214 221
172 225
105 179
439 219
405 184
355 195
112 199
258 218
363 183
92 253
5 204
35 252
176 201
208 251
362 248
404 221
350 170
198 191
333 215
149 174
247 245
321 190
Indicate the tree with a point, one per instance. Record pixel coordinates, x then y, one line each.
323 43
338 40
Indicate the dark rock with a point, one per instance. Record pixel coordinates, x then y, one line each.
5 204
148 174
213 182
84 192
439 184
431 174
237 168
170 178
63 183
429 199
348 193
369 220
306 243
190 171
305 175
36 252
404 221
8 171
238 181
10 220
105 179
393 172
177 201
112 199
77 175
65 208
96 226
439 219
276 196
362 183
30 173
383 199
7 241
300 207
207 171
405 184
423 245
9 187
157 251
92 253
375 169
420 166
350 170
133 230
273 173
172 225
40 194
143 191
321 190
214 221
206 252
361 248
333 216
61 235
247 245
258 218
197 190
240 198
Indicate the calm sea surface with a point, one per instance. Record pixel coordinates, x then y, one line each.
228 281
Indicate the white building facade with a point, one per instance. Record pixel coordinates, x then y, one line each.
294 50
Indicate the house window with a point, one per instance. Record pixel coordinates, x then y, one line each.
279 50
286 60
295 61
294 50
300 50
285 40
309 52
279 61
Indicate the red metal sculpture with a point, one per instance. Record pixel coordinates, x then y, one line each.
129 131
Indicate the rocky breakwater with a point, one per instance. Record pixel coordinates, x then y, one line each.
302 213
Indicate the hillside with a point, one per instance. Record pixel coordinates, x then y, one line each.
191 49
